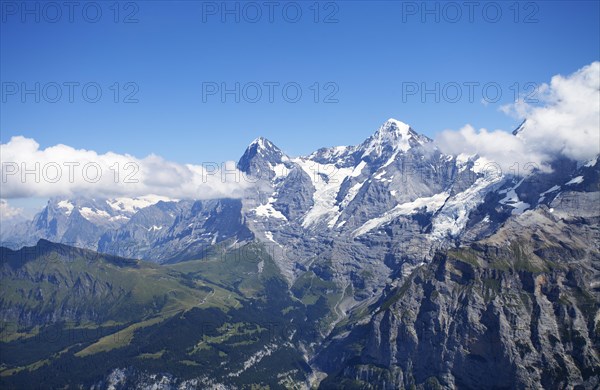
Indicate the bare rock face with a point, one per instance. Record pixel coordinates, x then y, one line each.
175 231
516 310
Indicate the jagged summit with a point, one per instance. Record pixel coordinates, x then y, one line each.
261 154
398 129
394 129
262 143
264 147
395 125
395 135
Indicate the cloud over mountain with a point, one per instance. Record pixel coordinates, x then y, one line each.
565 121
61 170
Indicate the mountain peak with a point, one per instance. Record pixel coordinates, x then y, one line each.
261 152
262 143
394 124
393 134
262 146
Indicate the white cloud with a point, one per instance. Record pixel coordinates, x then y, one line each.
8 212
496 146
566 121
60 170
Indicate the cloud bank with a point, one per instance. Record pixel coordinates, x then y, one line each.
62 171
565 122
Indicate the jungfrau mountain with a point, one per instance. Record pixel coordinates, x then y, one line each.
405 266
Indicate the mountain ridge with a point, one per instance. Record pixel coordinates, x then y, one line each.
343 230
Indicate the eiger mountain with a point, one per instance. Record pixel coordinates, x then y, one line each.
384 265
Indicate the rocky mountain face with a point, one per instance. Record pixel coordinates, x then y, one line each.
409 266
518 309
359 217
176 231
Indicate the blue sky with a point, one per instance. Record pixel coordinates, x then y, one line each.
372 52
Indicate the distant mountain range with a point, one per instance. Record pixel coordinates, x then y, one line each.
395 264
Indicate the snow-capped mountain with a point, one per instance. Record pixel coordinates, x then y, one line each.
383 205
390 255
175 231
78 221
